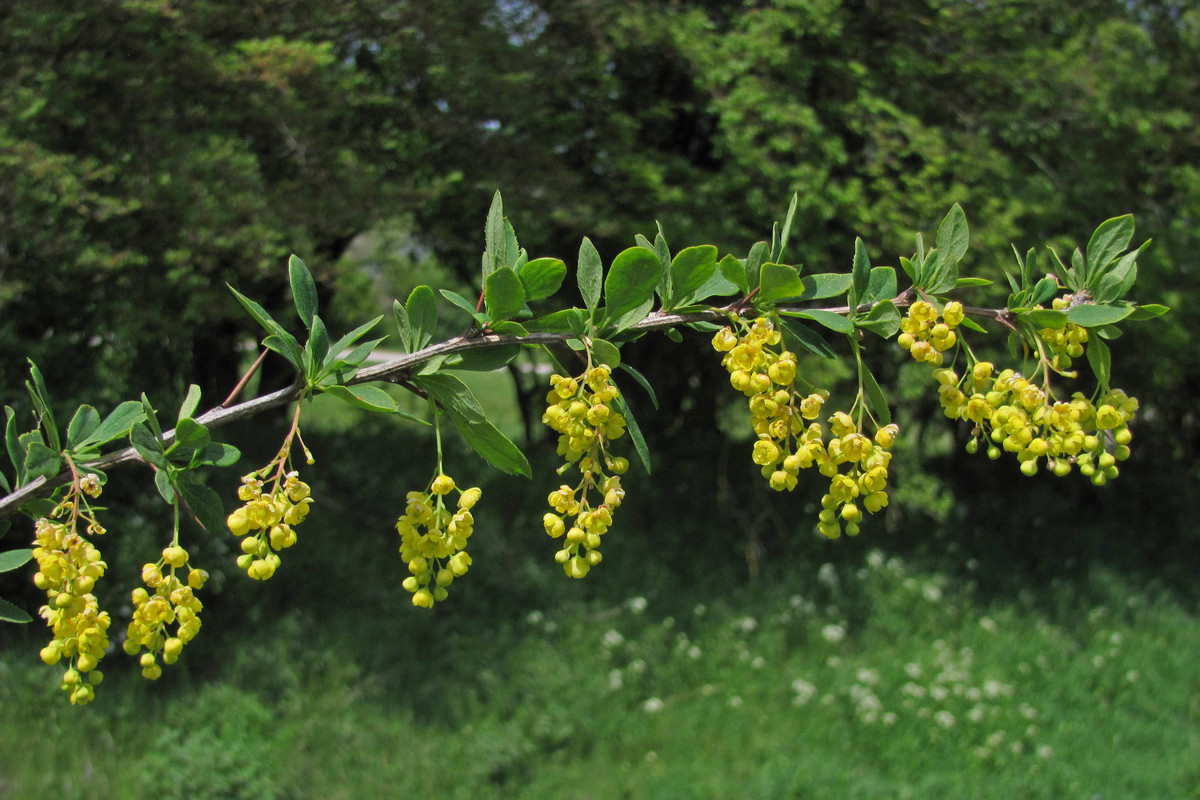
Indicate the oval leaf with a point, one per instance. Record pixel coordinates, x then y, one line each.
835 322
422 316
85 421
631 280
1089 316
778 281
690 269
11 613
12 559
503 294
542 277
304 290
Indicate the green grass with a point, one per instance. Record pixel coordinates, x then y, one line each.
879 679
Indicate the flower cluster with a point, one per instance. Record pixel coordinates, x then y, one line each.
1013 414
68 568
926 334
1065 344
174 602
791 439
437 555
581 411
267 521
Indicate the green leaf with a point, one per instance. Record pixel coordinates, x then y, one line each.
635 431
151 417
875 397
605 352
85 421
304 290
735 272
971 324
166 489
590 275
422 316
963 283
953 237
861 272
825 284
403 325
1043 290
778 282
190 403
484 359
1108 241
259 313
1090 316
690 269
453 395
16 453
11 613
317 346
218 454
1100 360
203 502
509 328
641 381
942 276
910 268
1046 318
561 321
353 357
674 335
759 253
835 322
13 559
463 303
542 277
631 280
503 294
495 448
1148 311
494 240
883 319
116 425
148 445
370 398
190 436
881 286
512 250
800 337
41 403
787 227
288 347
432 365
39 459
716 285
631 317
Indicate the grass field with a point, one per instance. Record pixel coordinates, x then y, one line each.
873 680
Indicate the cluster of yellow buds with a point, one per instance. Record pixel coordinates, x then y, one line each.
791 439
438 555
1015 415
863 486
174 602
580 410
581 548
926 334
68 568
1065 343
272 516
